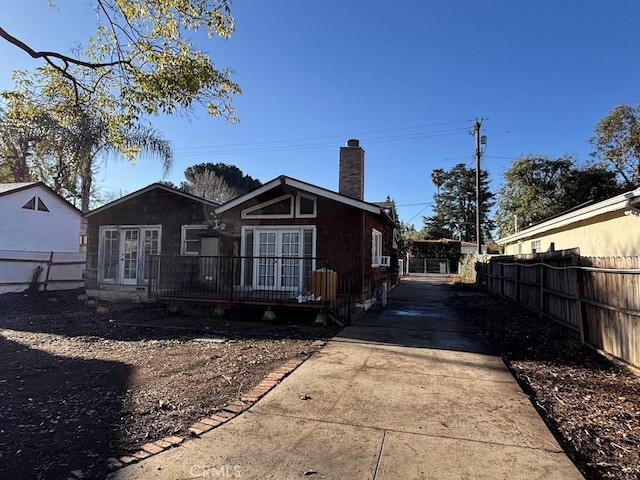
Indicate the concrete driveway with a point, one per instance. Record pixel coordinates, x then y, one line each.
412 391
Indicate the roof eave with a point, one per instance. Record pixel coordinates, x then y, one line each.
620 202
303 186
148 188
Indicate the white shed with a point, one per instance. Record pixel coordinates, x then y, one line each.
39 239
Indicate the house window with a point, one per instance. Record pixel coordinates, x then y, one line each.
376 247
536 245
35 202
281 207
190 240
306 206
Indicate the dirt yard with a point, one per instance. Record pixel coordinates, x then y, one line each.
590 403
78 386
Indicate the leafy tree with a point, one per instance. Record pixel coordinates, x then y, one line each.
82 132
435 226
231 174
454 212
592 182
617 141
23 126
144 52
538 187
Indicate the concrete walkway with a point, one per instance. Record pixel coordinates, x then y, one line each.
412 391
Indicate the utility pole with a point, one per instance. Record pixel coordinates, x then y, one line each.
476 131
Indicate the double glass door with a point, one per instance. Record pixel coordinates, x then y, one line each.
124 253
279 262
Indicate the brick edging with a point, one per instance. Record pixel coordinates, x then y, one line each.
206 424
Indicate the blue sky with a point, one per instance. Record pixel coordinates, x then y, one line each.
407 78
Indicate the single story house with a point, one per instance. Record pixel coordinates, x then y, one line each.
122 236
607 228
39 239
287 242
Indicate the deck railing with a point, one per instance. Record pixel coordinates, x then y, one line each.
262 280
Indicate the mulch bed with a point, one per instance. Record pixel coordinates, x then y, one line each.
590 403
78 386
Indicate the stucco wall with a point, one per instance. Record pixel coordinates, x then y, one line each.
613 234
57 230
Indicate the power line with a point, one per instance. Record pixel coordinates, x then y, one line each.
341 135
310 146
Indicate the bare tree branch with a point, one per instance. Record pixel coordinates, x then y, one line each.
48 56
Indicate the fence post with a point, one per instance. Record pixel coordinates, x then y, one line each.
582 306
517 283
542 277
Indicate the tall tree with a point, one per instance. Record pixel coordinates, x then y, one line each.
232 175
144 52
438 177
537 187
454 213
23 126
617 141
86 130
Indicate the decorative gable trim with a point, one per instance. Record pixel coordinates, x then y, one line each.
251 211
304 187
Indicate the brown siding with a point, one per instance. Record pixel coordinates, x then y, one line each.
339 231
343 236
155 207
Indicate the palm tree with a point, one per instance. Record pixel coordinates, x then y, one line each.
95 141
84 128
438 177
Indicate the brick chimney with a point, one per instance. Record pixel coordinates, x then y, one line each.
351 181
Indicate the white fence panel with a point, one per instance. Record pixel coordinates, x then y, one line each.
45 270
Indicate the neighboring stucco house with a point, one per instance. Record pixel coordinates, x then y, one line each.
38 228
266 242
610 227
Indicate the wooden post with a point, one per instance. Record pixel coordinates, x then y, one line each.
582 306
542 283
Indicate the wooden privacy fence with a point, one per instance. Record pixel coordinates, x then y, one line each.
599 297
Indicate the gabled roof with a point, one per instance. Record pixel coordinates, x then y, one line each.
305 187
629 201
12 187
9 188
205 201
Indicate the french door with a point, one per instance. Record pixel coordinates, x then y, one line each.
124 252
129 256
274 268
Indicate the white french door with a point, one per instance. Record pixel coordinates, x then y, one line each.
124 253
273 269
129 252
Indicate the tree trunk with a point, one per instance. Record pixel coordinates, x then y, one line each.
86 179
